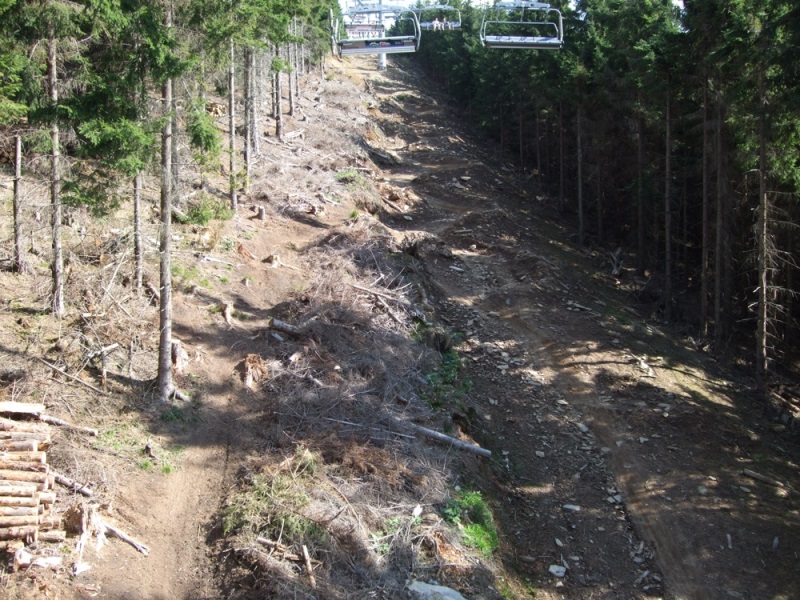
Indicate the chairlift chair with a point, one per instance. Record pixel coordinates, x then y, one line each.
429 15
522 24
362 31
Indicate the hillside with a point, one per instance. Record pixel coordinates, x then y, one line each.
405 277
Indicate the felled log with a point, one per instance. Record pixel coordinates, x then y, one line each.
19 445
28 457
68 425
54 536
17 488
27 476
12 425
49 522
284 327
27 533
32 520
762 478
21 408
42 438
47 498
19 511
444 438
19 501
73 485
23 466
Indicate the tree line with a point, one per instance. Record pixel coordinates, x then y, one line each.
101 88
669 131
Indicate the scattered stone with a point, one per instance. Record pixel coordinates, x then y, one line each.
572 507
408 218
702 490
540 454
427 591
583 428
557 570
559 543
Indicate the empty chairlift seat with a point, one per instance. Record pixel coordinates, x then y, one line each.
522 24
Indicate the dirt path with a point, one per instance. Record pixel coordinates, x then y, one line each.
592 404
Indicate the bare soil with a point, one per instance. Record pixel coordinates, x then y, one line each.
618 448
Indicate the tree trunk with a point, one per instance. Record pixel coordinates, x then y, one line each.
290 52
578 128
138 250
57 266
278 102
720 236
640 217
706 229
520 136
175 166
762 357
599 195
538 145
20 262
668 212
232 127
561 156
248 116
165 305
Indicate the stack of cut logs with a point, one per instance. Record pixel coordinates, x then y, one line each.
26 485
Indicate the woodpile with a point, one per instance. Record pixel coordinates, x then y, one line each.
27 493
26 482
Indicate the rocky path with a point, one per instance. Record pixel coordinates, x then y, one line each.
624 449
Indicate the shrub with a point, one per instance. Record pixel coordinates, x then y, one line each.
472 515
206 209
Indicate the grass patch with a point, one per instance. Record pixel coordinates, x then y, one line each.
185 276
472 515
205 210
128 442
448 382
349 175
174 414
122 439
